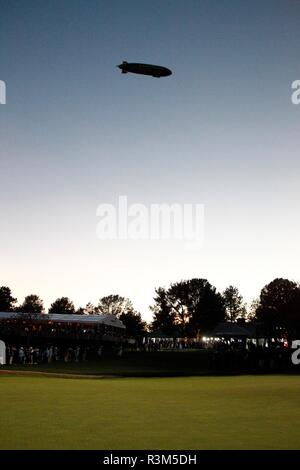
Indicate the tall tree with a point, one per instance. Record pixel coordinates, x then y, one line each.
163 314
278 310
90 309
123 309
114 305
234 304
6 300
134 324
62 305
207 306
251 312
192 306
31 304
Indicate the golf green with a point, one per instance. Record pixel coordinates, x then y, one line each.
238 412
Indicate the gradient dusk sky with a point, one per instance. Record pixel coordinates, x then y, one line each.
221 131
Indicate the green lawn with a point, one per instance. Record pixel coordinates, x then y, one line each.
245 412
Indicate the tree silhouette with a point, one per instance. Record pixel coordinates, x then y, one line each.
80 311
163 314
207 306
234 305
190 306
134 324
31 304
114 305
123 309
90 309
6 300
278 310
62 305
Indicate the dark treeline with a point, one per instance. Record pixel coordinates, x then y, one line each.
187 308
194 307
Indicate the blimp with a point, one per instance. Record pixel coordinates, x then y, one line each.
145 69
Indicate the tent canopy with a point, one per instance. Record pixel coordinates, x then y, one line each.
233 330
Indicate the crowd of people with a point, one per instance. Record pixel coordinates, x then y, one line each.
52 353
45 354
219 356
260 358
157 344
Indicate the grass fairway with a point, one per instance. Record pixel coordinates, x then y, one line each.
245 412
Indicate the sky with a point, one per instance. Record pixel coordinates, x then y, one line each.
75 133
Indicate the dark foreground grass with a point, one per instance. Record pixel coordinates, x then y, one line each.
246 412
132 364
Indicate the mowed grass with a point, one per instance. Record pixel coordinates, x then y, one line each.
245 412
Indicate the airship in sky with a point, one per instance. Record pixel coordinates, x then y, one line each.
145 69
